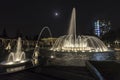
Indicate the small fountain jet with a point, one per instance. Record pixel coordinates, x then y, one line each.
16 57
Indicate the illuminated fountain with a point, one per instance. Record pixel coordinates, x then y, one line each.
73 43
16 57
36 49
8 46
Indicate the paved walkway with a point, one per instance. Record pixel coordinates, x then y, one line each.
110 70
51 73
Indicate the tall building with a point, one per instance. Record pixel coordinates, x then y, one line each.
101 27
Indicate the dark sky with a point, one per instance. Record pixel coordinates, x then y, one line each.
32 15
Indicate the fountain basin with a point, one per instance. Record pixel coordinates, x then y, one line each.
14 62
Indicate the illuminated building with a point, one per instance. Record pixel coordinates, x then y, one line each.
101 27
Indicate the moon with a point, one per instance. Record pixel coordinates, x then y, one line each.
56 14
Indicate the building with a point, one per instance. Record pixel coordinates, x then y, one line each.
48 41
101 27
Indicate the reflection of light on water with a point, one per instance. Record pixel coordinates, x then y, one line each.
15 69
13 63
87 56
67 56
100 56
22 61
10 63
117 54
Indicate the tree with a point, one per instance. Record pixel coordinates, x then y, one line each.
19 33
4 33
110 36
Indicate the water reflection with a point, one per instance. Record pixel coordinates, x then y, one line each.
100 56
65 59
18 67
117 56
89 56
14 69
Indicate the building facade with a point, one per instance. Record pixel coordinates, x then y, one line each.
101 27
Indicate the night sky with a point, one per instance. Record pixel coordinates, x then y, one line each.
31 16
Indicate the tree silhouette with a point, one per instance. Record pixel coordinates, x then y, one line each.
19 33
4 33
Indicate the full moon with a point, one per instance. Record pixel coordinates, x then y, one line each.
56 14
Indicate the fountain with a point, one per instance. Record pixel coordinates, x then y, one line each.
8 46
36 49
16 57
73 43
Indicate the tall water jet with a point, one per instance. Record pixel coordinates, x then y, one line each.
16 57
71 42
72 26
